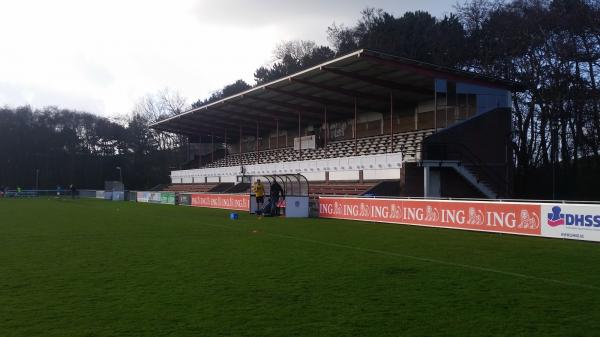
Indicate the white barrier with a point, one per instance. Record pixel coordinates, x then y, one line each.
386 161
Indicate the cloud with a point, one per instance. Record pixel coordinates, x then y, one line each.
259 13
96 72
22 94
102 56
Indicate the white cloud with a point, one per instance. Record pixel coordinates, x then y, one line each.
101 56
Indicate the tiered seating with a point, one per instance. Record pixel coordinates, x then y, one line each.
240 188
409 143
191 187
339 188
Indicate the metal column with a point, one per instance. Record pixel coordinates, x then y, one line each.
354 128
435 105
326 128
391 122
299 137
200 152
425 181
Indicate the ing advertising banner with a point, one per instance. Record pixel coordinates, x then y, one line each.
513 218
240 202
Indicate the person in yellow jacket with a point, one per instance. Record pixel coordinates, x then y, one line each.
259 191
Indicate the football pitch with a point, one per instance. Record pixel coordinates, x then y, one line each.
100 268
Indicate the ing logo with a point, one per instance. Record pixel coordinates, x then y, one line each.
431 214
528 220
475 217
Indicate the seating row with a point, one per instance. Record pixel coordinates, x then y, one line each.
408 143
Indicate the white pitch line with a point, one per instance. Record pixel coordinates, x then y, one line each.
446 263
423 259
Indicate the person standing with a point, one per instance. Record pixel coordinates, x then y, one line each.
259 192
276 193
73 191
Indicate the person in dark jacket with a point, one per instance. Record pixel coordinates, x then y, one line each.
73 191
276 193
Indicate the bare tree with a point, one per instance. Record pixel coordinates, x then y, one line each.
296 49
155 107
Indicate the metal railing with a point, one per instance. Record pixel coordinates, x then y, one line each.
25 193
592 202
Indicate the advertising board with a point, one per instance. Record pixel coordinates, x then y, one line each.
239 202
513 218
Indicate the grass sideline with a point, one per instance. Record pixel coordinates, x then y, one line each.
99 268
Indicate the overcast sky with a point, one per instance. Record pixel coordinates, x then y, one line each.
101 56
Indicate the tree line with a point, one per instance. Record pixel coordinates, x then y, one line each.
52 147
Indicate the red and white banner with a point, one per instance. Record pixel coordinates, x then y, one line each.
513 218
238 202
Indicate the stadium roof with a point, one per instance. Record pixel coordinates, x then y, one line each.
364 75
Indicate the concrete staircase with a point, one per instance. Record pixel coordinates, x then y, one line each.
471 174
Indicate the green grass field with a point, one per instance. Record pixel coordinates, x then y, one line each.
99 268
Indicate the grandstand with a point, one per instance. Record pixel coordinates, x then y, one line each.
363 123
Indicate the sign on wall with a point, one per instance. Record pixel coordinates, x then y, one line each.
305 142
156 197
239 202
514 218
167 198
566 221
143 196
185 199
571 221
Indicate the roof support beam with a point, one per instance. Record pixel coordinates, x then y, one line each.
313 99
167 129
212 124
237 117
225 121
277 115
341 91
195 123
377 81
321 101
193 130
191 126
307 110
